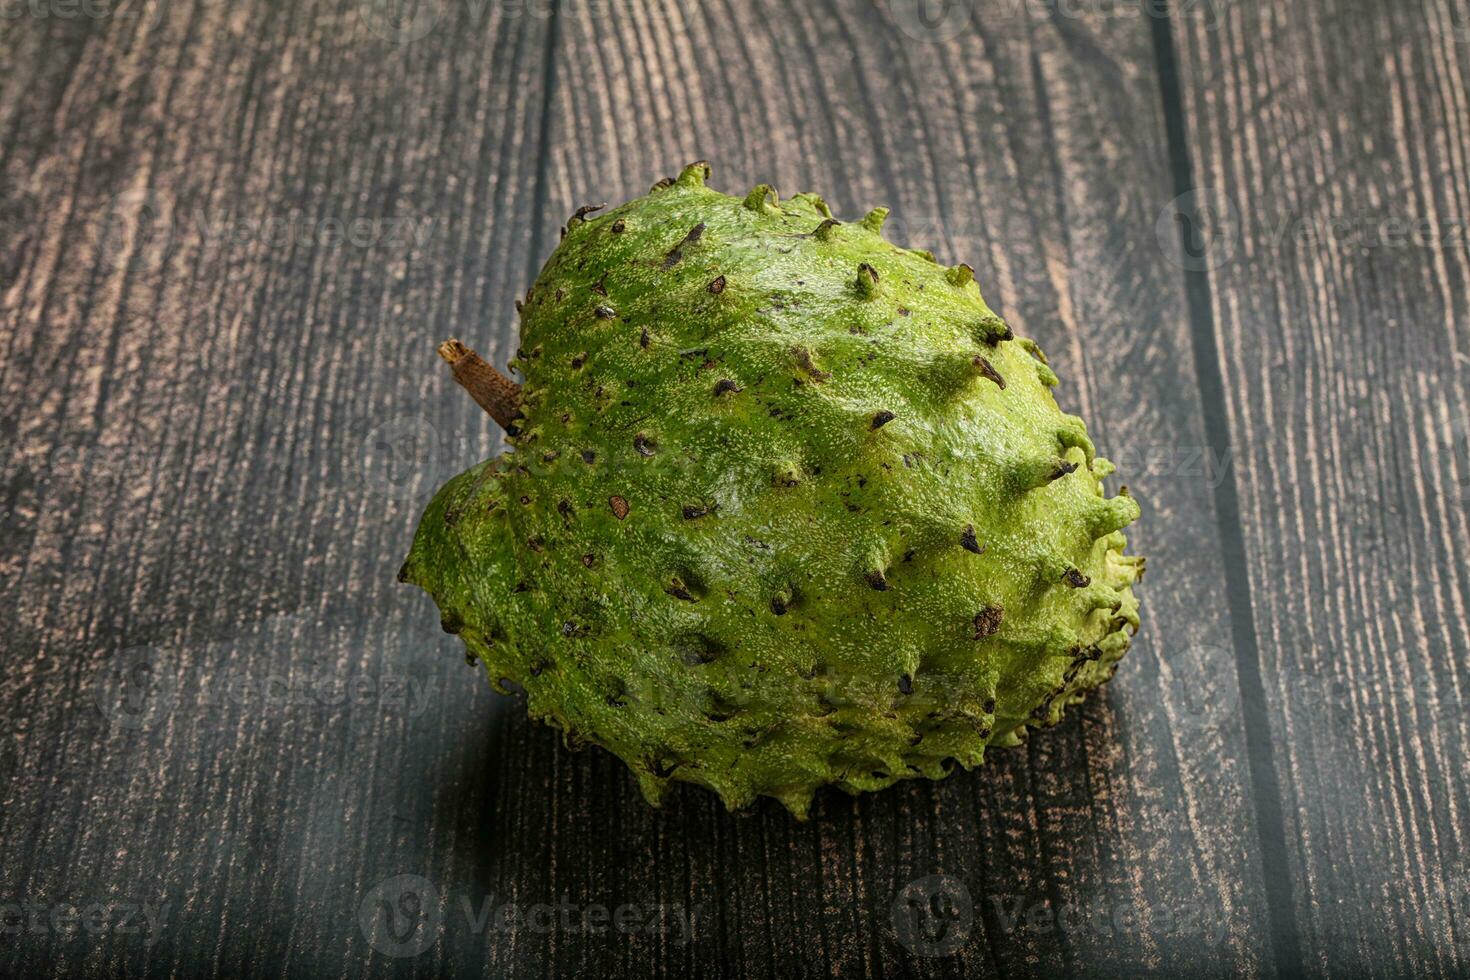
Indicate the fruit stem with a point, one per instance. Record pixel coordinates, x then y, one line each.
493 391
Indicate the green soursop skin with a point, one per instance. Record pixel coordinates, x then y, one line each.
788 506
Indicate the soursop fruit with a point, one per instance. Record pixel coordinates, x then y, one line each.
786 505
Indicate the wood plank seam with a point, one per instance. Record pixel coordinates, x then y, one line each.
1265 790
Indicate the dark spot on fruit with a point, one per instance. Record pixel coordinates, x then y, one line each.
692 512
679 590
989 706
579 360
525 500
1076 579
877 580
778 605
969 541
696 649
718 286
880 419
643 446
589 559
677 252
604 313
725 386
451 623
987 621
618 225
1063 468
589 457
906 684
721 708
403 572
643 339
806 363
619 507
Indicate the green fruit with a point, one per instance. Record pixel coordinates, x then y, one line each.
787 506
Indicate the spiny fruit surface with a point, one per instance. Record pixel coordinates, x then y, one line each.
788 506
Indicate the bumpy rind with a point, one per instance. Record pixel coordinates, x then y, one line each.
789 507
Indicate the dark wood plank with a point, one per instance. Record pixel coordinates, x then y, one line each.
223 437
1333 130
1033 148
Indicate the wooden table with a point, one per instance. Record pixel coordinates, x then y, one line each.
233 233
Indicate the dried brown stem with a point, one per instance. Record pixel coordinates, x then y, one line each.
493 391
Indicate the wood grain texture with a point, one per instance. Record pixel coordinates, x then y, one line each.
1328 142
230 239
225 423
